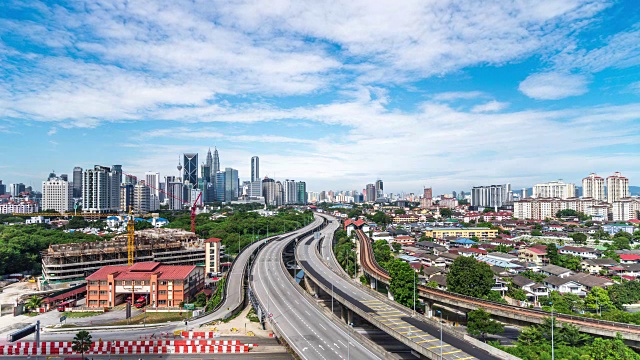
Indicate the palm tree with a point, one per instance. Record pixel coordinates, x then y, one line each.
82 342
33 302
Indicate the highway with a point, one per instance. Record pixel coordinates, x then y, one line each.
304 326
397 320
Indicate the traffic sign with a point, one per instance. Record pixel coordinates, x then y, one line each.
63 318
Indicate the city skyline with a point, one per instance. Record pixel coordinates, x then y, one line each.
456 96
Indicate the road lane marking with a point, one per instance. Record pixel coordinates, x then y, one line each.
444 345
424 341
451 352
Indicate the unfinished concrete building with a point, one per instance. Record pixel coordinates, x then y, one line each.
69 262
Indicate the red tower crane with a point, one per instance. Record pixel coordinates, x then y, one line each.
193 206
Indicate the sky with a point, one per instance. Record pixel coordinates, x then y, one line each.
442 93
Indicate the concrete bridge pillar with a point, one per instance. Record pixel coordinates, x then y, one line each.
373 282
350 317
428 311
343 313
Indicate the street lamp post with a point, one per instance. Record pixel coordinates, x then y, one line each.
349 341
414 292
331 298
552 326
440 312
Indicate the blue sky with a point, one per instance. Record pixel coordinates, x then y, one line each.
448 94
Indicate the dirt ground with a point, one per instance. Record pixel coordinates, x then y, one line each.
11 292
237 326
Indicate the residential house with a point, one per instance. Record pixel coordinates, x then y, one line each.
448 258
629 258
530 287
351 225
555 270
588 282
404 240
500 285
534 255
585 253
441 280
463 243
594 266
630 270
471 252
564 285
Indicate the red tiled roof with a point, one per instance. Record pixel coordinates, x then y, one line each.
629 257
123 272
473 250
537 250
144 266
575 248
213 240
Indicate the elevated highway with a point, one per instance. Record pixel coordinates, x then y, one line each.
234 295
296 317
631 333
315 256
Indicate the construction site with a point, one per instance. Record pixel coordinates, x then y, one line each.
66 263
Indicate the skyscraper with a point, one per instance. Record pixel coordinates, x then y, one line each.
220 182
617 187
269 191
302 192
209 162
101 189
230 184
370 192
290 192
142 197
190 168
77 182
216 161
57 194
593 187
3 188
379 189
16 189
493 196
153 180
126 197
255 168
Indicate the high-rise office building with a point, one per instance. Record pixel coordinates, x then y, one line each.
427 198
493 196
205 173
379 189
554 189
593 187
16 189
220 183
65 177
175 188
57 195
617 187
3 188
152 179
77 182
190 168
216 161
230 184
302 192
279 193
126 197
209 163
255 168
370 192
141 197
101 189
255 189
269 191
290 192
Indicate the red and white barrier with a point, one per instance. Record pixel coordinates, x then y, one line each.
131 347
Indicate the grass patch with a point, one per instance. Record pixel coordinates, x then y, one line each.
252 316
75 315
32 314
152 318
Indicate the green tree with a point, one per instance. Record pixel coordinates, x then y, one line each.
82 342
598 299
33 303
536 232
479 323
142 225
432 284
402 280
381 251
570 335
611 349
552 254
531 275
621 241
446 212
570 262
201 300
470 277
399 212
396 247
579 238
381 218
517 294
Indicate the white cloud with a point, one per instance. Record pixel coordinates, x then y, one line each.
553 85
456 95
491 106
52 131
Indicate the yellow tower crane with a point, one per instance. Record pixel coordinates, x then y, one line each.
131 238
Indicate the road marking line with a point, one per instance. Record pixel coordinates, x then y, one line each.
424 341
402 327
437 346
451 352
466 358
416 336
388 316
